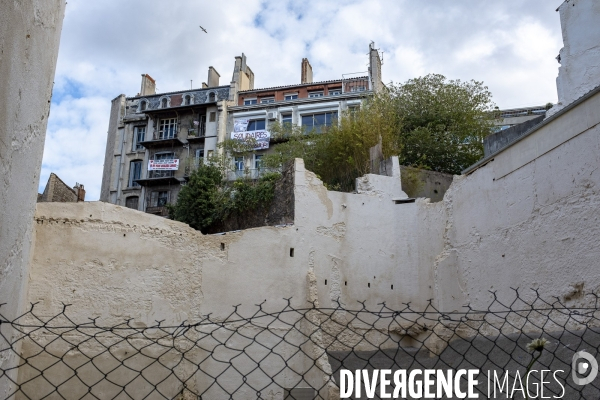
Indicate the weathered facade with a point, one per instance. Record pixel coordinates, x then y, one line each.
57 190
156 140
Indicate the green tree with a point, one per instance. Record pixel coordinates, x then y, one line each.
198 203
443 122
340 153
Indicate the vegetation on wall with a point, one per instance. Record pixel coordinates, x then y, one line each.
429 122
207 199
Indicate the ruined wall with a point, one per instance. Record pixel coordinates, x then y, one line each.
527 219
423 183
279 212
30 34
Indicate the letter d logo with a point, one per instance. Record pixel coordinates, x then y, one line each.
589 365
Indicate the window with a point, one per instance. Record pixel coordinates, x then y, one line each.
211 97
249 102
267 100
199 159
315 94
135 173
164 103
256 125
358 88
238 164
168 128
318 121
291 96
139 132
258 160
163 174
286 119
159 198
335 92
164 156
187 100
212 116
143 105
132 202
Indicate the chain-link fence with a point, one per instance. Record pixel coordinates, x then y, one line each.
297 353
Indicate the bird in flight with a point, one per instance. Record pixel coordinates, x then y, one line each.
203 29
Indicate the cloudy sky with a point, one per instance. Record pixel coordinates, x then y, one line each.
106 45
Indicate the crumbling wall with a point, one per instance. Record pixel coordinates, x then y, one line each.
30 33
423 183
279 212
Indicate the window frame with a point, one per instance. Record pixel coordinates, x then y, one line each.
316 94
329 116
137 203
135 166
292 96
285 117
161 125
250 102
267 100
142 105
239 163
253 123
135 145
257 162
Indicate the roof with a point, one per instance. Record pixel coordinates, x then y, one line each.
358 78
178 91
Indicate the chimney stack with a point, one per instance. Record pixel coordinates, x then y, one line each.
148 85
213 77
80 192
306 72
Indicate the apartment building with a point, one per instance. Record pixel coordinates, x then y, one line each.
155 140
311 105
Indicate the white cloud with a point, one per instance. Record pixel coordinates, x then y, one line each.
107 45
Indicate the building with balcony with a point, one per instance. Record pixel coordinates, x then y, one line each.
311 105
155 140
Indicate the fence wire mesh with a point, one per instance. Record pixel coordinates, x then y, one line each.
294 353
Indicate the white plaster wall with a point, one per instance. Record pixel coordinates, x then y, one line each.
29 38
580 57
529 219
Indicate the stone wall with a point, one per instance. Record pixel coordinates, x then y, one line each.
57 190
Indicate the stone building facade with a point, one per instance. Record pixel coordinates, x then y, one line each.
178 131
156 140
